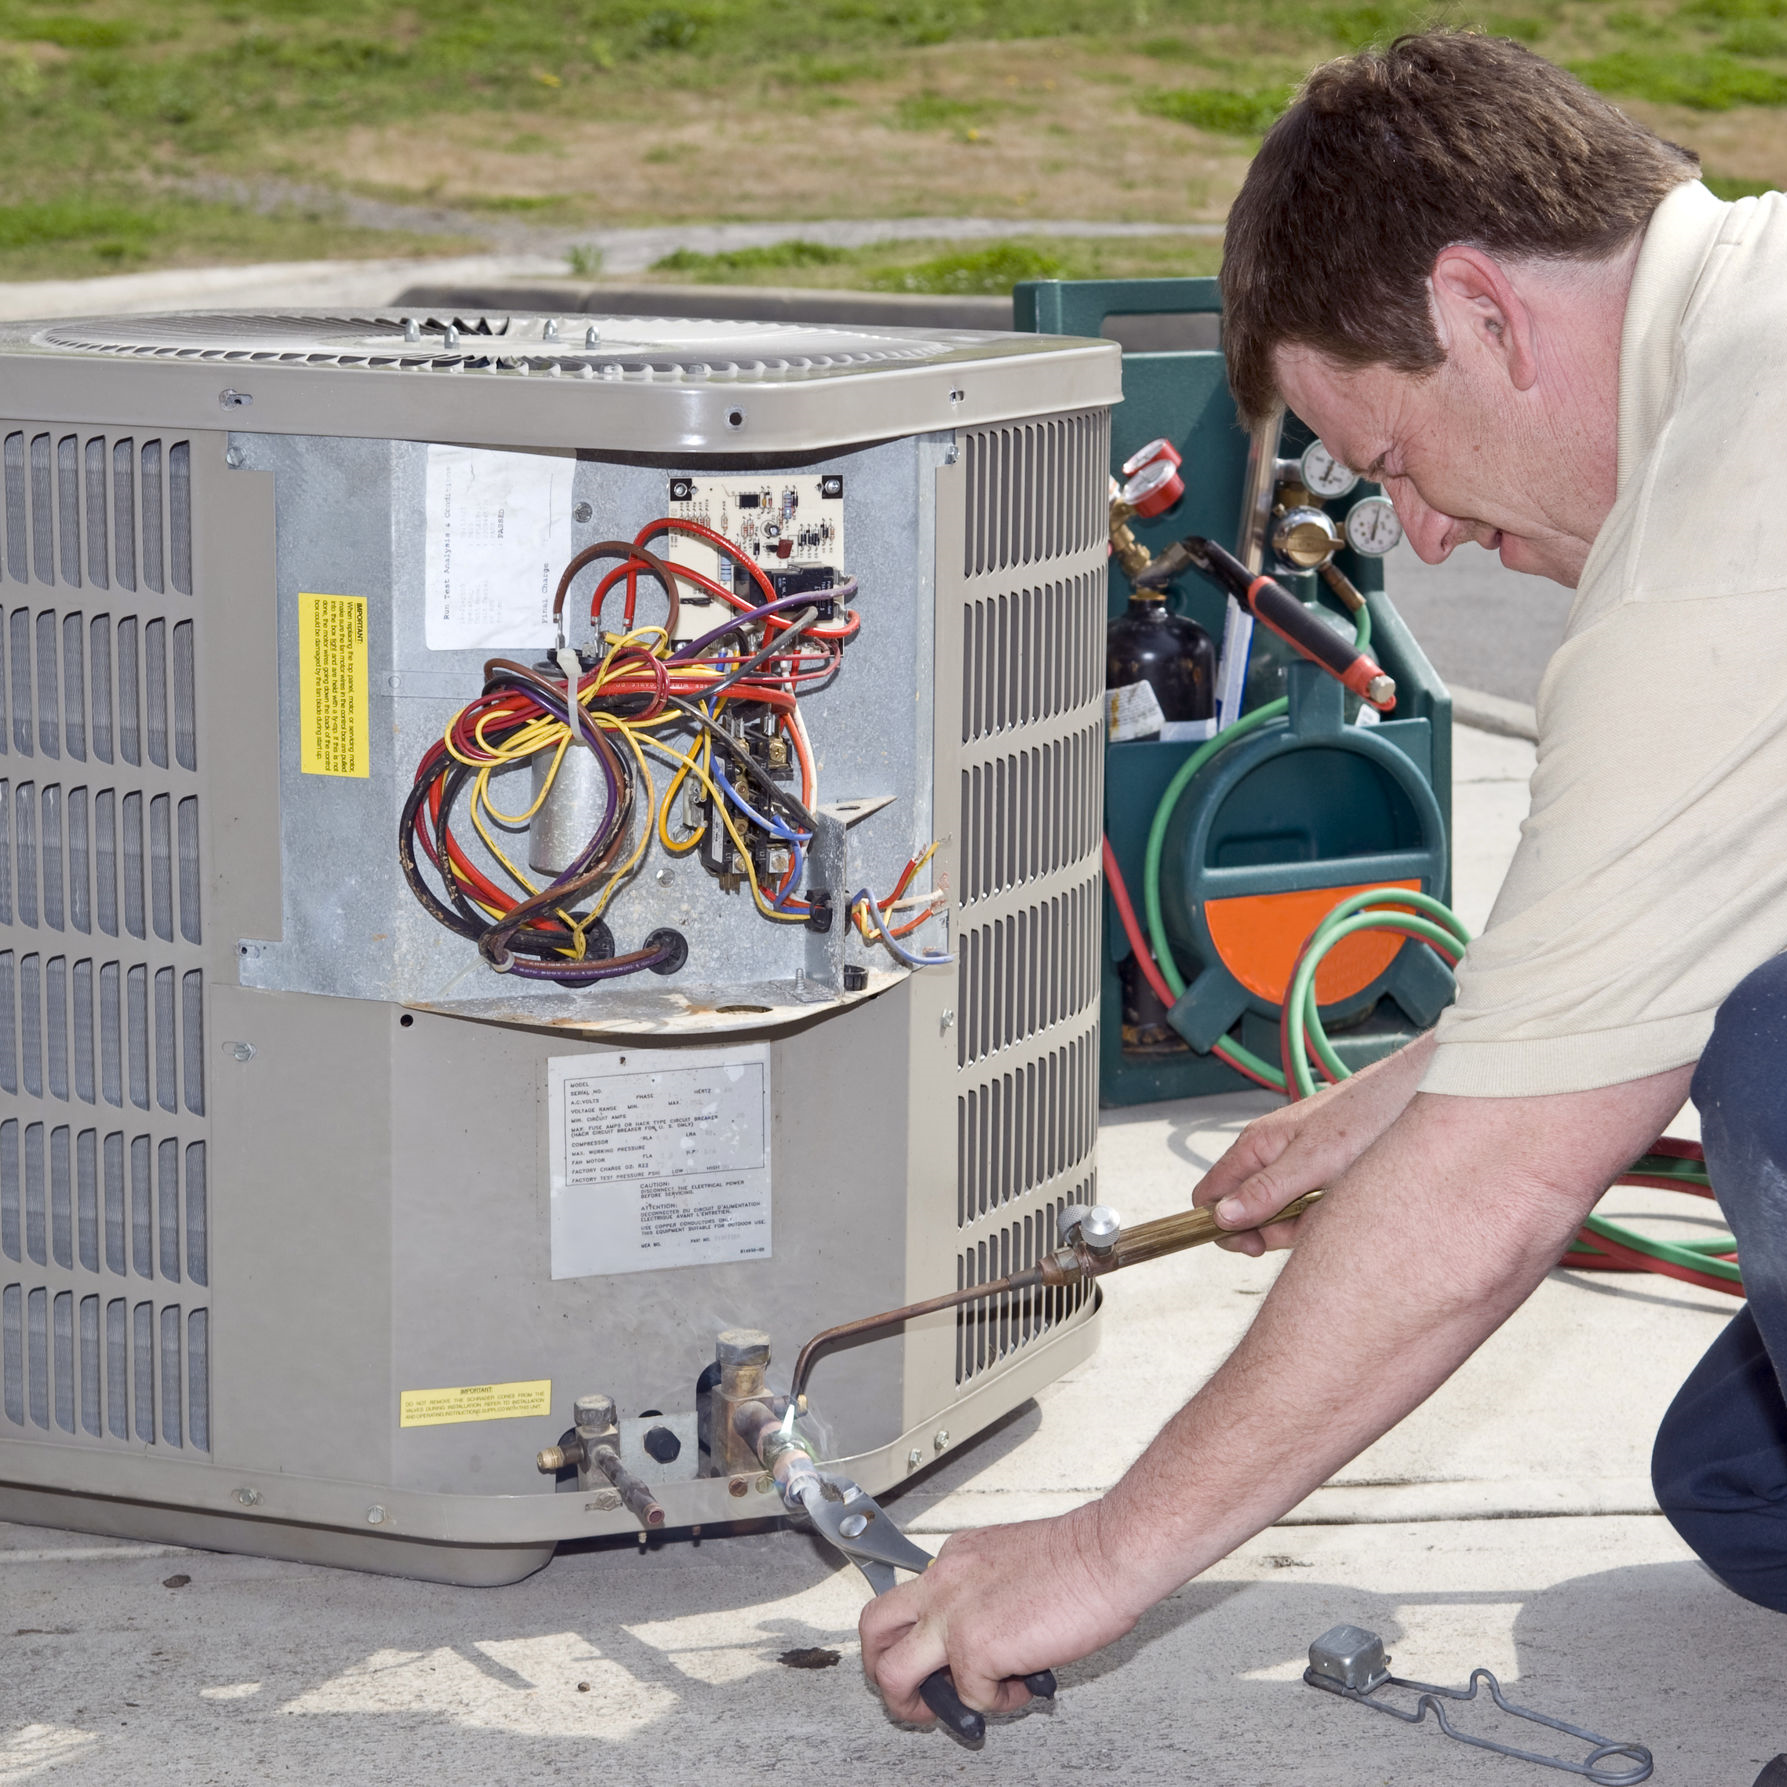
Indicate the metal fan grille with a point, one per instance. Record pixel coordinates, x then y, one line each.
668 348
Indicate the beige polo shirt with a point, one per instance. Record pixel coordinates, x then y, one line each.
1651 875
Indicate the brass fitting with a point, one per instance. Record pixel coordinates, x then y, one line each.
1131 555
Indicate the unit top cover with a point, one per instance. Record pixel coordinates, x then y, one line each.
617 383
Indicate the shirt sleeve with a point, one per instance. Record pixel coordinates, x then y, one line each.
1651 873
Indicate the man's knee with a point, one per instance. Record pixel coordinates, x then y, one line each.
1719 1466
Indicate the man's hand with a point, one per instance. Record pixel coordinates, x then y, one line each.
1306 1145
1002 1602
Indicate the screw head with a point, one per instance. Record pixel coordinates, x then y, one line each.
738 1486
665 878
375 1515
946 1018
914 1459
582 512
248 1496
940 1439
239 1051
234 456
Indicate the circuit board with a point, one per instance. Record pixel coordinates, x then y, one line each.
792 527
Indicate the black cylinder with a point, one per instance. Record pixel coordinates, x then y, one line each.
1174 656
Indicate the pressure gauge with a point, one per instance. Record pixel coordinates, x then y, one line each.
1372 528
1323 474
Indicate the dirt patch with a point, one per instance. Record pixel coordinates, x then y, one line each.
814 1658
1018 131
1749 142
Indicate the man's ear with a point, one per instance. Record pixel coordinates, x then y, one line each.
1474 300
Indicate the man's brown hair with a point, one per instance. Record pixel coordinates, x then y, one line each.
1387 158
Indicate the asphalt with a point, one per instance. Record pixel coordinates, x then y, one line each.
1507 1524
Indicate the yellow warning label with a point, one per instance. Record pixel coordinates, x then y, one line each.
335 720
474 1402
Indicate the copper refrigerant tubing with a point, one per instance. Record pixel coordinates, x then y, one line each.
1066 1268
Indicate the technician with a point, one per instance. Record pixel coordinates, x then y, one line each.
1522 312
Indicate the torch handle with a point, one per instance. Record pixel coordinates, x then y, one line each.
1185 1228
938 1692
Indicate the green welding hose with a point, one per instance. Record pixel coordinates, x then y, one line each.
1433 923
1411 914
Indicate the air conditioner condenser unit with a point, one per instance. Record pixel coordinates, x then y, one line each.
527 842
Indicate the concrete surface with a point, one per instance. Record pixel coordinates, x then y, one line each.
1508 1523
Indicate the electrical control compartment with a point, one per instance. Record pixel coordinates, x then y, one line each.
354 516
409 1067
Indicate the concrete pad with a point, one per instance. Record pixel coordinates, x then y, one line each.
664 1669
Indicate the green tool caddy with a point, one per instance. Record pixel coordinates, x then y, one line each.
1277 826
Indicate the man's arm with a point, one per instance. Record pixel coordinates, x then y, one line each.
1422 1249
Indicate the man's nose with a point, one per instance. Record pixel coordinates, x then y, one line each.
1431 533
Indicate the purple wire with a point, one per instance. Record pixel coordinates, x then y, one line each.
840 592
578 971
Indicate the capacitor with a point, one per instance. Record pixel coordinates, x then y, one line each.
571 812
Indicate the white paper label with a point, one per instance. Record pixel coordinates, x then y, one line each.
1186 732
499 537
658 1159
1132 711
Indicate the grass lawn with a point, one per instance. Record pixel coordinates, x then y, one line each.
123 118
951 268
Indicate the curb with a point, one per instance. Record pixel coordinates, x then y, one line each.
1484 712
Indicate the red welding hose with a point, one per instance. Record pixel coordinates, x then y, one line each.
1151 969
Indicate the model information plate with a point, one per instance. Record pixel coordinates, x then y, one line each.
658 1159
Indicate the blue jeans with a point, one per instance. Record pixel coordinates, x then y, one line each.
1720 1463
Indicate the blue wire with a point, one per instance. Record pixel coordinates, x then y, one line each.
893 943
775 826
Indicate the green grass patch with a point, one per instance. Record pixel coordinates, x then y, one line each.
734 264
1221 110
974 272
1762 38
947 268
1708 83
937 111
76 236
1730 186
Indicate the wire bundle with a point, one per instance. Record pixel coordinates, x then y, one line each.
689 705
